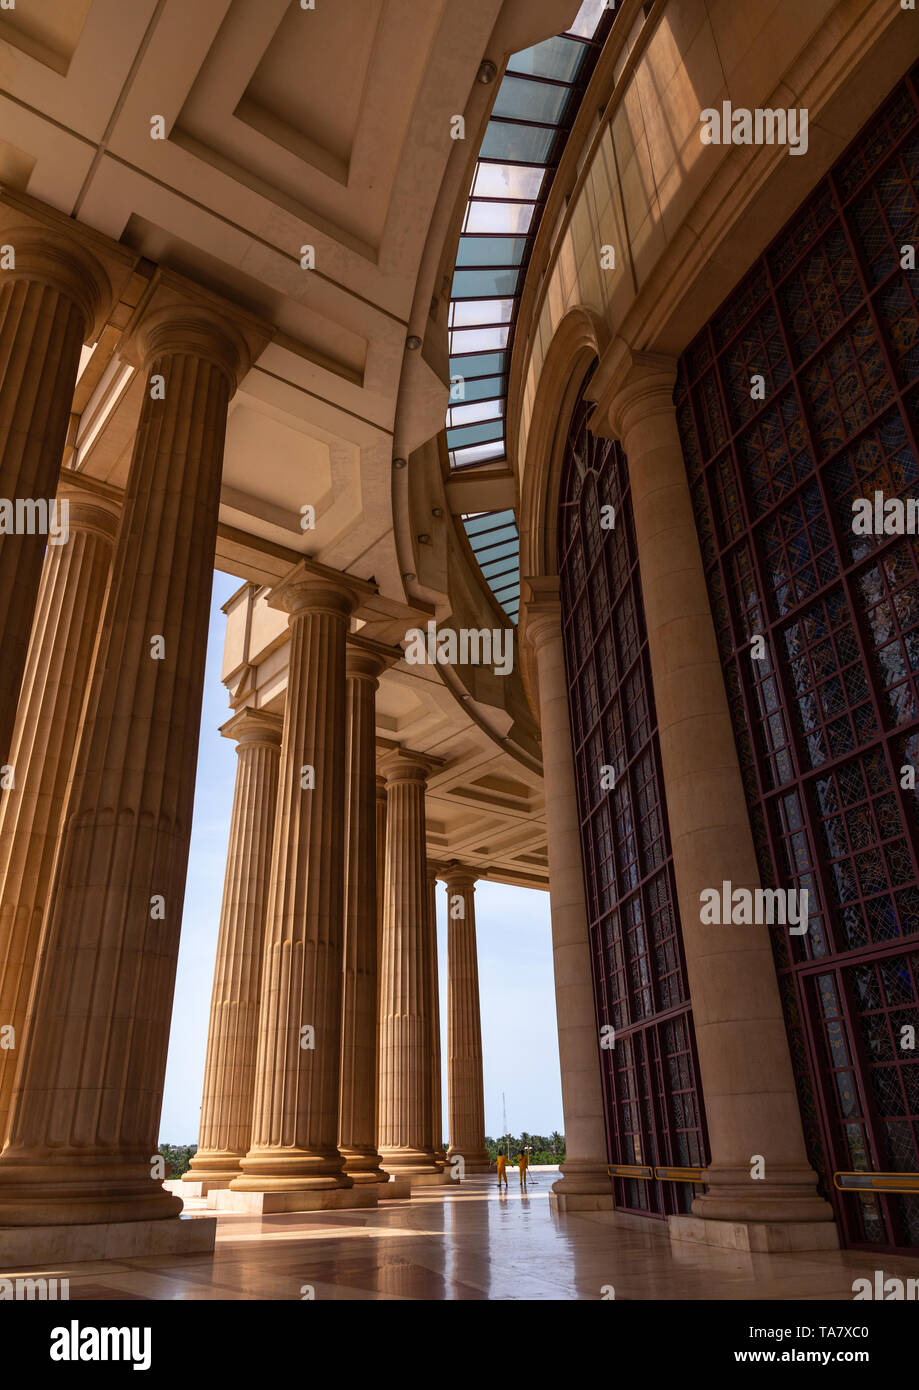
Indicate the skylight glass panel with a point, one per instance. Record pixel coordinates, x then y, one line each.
476 522
507 181
530 101
483 390
479 453
472 414
498 217
482 284
466 312
588 17
475 434
479 364
558 58
490 250
478 339
527 144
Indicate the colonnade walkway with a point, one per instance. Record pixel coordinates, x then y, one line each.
465 1243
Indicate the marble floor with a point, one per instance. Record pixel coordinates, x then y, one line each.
471 1243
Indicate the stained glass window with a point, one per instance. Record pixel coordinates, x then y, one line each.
827 716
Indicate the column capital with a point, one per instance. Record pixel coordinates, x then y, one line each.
542 610
178 317
254 726
68 256
381 787
640 385
459 875
406 765
366 659
311 587
92 505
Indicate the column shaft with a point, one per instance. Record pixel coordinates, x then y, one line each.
83 1130
437 1103
745 1067
41 333
584 1180
357 1118
73 585
464 1026
232 1039
298 1071
406 1062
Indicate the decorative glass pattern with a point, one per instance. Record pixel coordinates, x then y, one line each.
652 1105
826 717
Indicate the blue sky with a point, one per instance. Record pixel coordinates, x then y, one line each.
519 1035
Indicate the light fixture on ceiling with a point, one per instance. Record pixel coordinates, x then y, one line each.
437 511
399 463
423 538
409 577
487 72
413 343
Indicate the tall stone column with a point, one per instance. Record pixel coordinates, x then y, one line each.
83 1129
437 1102
74 579
232 1036
380 881
294 1145
364 664
585 1182
406 1036
464 1024
744 1063
53 298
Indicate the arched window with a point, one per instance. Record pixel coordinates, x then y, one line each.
651 1095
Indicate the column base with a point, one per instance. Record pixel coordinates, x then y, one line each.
407 1163
213 1169
268 1203
474 1160
286 1171
395 1187
198 1187
756 1236
74 1193
584 1185
442 1178
178 1235
362 1165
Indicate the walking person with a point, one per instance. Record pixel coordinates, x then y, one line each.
501 1165
523 1164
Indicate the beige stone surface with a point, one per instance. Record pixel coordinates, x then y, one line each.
464 1024
298 1070
232 1038
405 1124
74 579
83 1129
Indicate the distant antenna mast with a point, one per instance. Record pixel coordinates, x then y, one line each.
507 1138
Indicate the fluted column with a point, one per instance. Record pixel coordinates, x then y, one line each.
74 579
83 1129
406 1060
464 1025
437 1102
584 1181
364 665
51 301
380 881
298 1071
744 1063
54 687
232 1037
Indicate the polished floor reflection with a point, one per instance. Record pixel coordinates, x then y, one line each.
469 1244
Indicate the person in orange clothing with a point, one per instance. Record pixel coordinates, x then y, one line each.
523 1164
501 1165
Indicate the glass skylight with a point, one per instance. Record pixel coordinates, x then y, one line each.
534 108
